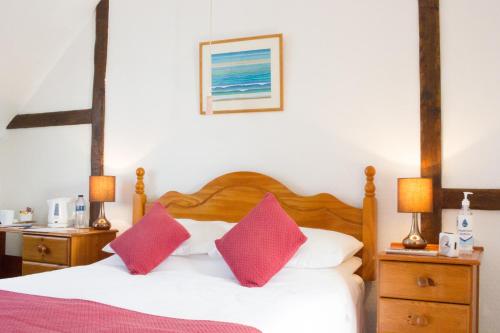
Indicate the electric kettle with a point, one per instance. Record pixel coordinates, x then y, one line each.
61 212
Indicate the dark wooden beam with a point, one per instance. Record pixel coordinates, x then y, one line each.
99 94
63 118
483 199
430 111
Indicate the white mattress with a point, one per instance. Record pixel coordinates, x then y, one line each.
200 287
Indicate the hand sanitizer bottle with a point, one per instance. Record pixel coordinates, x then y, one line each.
464 226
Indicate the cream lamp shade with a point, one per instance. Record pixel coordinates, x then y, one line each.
414 195
102 188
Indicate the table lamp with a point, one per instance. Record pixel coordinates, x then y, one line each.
414 196
102 189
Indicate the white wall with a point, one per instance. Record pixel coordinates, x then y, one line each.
42 163
33 37
470 56
351 99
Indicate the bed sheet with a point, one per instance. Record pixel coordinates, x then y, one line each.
204 288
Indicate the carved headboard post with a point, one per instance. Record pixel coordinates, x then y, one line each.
140 198
369 226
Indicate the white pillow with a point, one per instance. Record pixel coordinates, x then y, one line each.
203 236
323 249
350 266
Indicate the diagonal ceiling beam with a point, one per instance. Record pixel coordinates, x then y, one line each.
61 118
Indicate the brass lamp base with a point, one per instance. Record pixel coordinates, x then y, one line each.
102 222
414 240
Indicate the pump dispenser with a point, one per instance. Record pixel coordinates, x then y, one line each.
464 226
466 202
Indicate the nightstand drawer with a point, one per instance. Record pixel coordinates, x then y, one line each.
51 250
36 267
413 316
426 282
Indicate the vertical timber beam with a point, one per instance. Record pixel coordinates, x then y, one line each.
99 94
430 111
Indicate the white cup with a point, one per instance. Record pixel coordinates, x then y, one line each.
6 216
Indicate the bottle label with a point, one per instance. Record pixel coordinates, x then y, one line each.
464 222
466 241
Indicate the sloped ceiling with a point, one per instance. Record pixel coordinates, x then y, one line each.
34 35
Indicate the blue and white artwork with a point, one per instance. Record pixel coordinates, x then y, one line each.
241 75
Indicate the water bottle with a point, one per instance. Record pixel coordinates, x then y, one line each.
80 213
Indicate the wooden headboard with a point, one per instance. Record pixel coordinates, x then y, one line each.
231 196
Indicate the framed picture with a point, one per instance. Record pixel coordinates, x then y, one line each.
242 74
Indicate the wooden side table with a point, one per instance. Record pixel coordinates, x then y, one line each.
50 250
428 294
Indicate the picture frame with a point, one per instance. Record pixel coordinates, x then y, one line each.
242 74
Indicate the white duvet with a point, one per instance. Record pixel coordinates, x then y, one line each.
200 287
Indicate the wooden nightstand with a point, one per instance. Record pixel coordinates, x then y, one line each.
48 251
428 294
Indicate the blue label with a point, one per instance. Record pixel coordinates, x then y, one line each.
465 223
466 239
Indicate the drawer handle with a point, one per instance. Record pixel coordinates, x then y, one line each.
418 320
423 282
42 249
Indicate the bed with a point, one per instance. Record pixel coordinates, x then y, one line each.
198 293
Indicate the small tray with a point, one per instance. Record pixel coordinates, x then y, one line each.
23 225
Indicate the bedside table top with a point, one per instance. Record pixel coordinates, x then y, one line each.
464 259
58 232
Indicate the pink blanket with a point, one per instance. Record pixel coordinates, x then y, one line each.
28 313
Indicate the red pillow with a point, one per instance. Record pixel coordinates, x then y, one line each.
150 241
261 243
